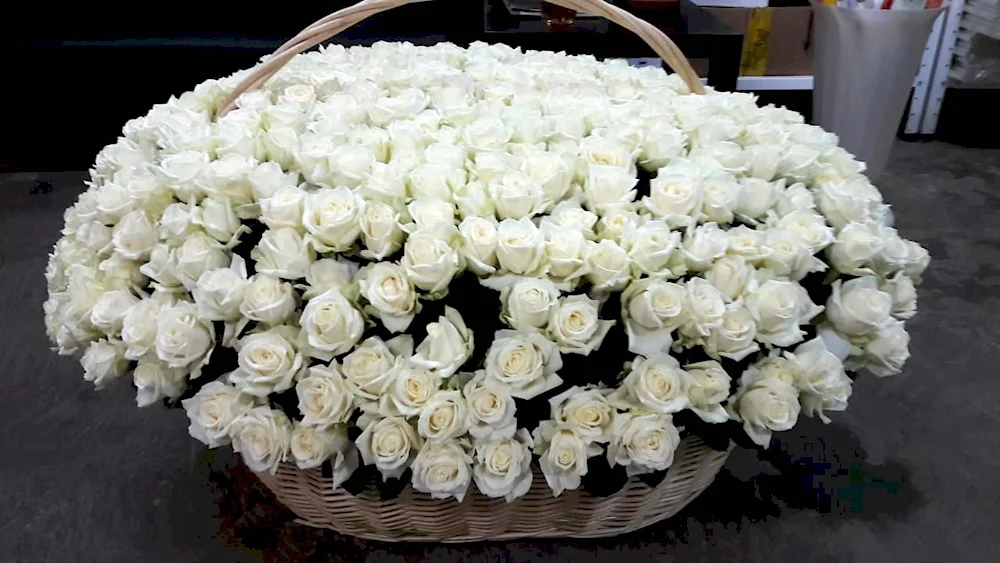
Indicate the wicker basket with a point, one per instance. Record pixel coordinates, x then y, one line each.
416 516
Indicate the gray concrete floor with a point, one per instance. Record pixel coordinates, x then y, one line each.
907 474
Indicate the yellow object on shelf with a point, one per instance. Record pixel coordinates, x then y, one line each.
753 60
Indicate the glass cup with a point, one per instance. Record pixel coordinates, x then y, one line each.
557 16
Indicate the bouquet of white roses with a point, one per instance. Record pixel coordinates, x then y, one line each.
438 265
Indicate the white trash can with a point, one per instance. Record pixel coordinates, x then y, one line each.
864 64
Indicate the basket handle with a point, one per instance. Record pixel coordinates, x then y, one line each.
331 25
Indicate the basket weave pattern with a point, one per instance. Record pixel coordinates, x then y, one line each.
417 517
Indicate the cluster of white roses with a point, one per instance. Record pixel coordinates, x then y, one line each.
377 175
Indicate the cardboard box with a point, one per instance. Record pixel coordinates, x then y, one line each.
776 41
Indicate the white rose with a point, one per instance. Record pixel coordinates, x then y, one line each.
433 181
904 295
731 276
618 225
488 133
390 294
110 310
608 187
268 362
103 361
652 309
748 243
405 105
566 249
185 172
384 183
473 200
643 443
551 171
218 219
917 260
445 154
778 308
430 212
268 178
608 266
196 255
703 245
332 216
651 246
503 466
575 327
721 196
431 257
311 446
858 307
326 274
284 208
788 255
175 223
139 327
516 195
155 381
660 145
228 179
444 417
490 166
332 323
84 289
182 339
586 410
492 412
368 370
887 350
563 455
725 155
283 253
597 151
848 202
794 198
821 379
764 405
447 346
757 197
675 198
709 387
569 216
526 362
797 162
324 397
95 236
442 469
526 303
810 228
213 410
412 389
114 202
350 165
267 299
134 237
854 249
479 244
390 445
120 273
734 337
894 254
704 308
657 383
763 160
220 292
263 437
520 247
